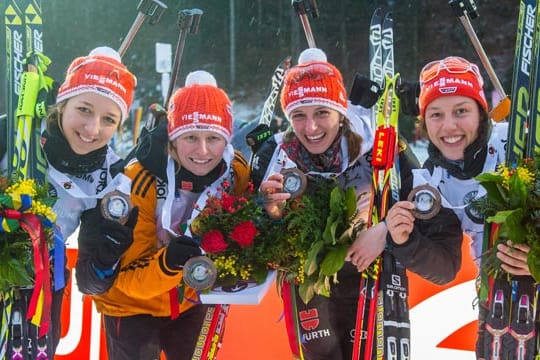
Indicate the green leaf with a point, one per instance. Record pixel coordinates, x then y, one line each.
495 192
533 261
334 260
336 201
259 274
513 225
329 235
311 264
306 292
350 202
501 216
488 177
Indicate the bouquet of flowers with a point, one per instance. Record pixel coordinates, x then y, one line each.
512 205
233 230
307 246
319 228
25 208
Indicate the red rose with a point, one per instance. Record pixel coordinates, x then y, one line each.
244 233
213 242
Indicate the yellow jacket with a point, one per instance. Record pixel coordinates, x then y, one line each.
144 281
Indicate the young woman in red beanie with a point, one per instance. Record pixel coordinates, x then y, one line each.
148 309
91 104
331 138
463 143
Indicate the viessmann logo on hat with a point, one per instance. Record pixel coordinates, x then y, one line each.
450 83
106 80
197 117
302 91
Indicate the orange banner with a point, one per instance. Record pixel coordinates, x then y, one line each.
443 324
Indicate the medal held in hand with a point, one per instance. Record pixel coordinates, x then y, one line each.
427 201
200 273
116 206
294 181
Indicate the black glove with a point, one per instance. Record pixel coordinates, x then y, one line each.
105 239
364 92
151 149
408 93
180 250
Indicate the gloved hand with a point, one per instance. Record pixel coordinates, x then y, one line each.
408 93
180 250
105 239
364 92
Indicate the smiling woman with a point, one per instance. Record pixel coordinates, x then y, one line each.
90 121
465 146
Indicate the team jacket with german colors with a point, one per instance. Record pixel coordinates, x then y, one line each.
144 281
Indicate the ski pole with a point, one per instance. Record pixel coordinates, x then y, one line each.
152 8
465 10
262 131
302 7
188 20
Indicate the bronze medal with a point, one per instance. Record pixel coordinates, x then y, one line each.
116 206
294 181
427 201
199 273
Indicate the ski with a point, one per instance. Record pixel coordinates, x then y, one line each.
367 283
20 338
511 331
521 81
533 128
376 72
211 334
15 54
382 324
256 137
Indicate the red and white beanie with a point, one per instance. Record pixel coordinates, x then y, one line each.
314 81
468 83
200 106
101 72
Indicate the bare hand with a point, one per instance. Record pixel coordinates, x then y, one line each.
400 221
274 198
368 245
514 258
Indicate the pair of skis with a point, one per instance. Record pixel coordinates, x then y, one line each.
382 322
511 330
19 338
24 37
29 92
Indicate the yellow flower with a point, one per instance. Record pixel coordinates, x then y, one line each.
22 187
526 176
505 173
41 209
